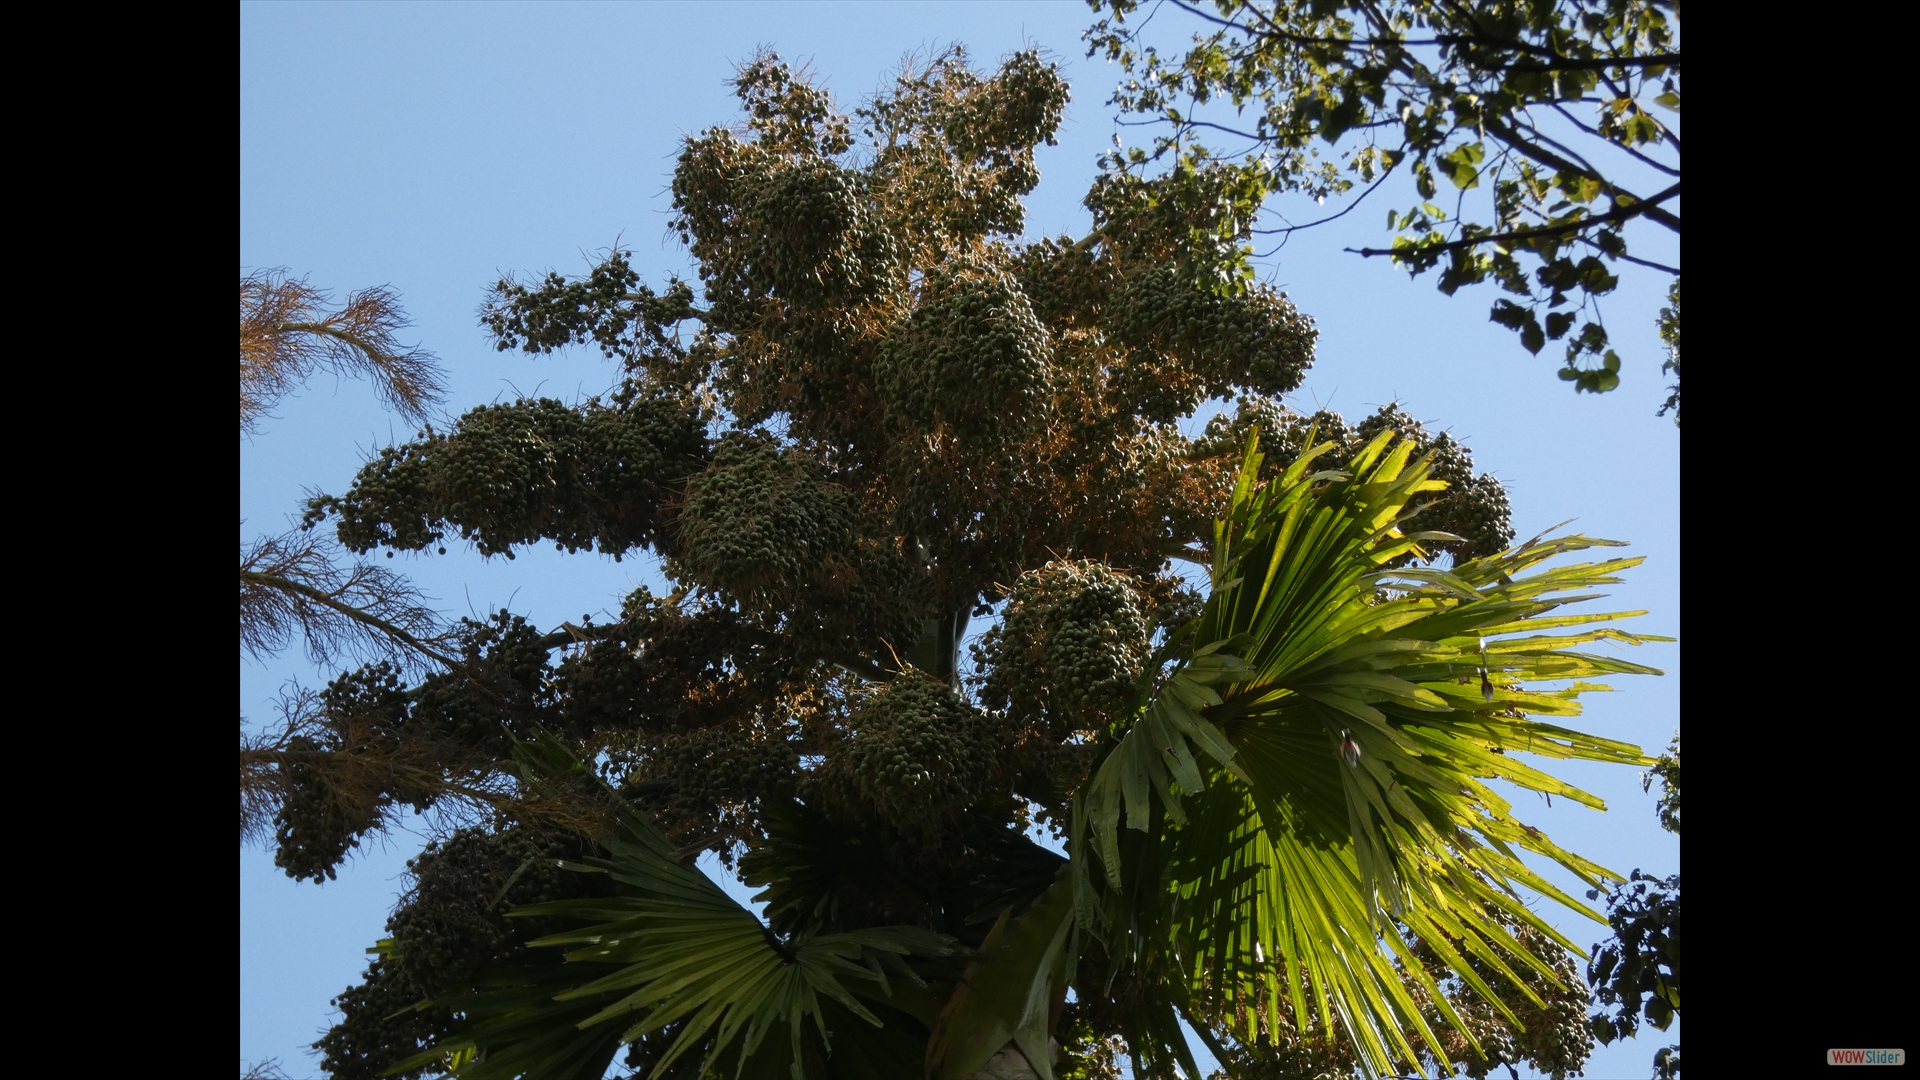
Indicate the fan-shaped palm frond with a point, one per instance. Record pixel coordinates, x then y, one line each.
1319 761
672 949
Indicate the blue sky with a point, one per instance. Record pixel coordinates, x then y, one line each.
433 147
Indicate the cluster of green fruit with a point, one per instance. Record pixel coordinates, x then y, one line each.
506 686
1184 344
532 470
714 778
759 525
796 228
670 665
316 824
763 527
1066 283
954 150
1473 508
460 890
1558 1039
972 358
450 926
380 1023
1195 217
339 779
327 803
1075 636
920 753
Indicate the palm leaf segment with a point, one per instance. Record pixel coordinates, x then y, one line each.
1317 764
676 949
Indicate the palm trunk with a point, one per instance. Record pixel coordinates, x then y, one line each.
937 652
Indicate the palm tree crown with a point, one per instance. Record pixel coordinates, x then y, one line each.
1290 828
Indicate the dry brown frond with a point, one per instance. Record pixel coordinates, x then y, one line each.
292 585
287 334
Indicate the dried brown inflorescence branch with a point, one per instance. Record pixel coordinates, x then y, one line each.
287 334
291 586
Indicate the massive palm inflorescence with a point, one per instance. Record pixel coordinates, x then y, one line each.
879 415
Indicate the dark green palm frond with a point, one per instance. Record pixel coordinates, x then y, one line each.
672 950
822 873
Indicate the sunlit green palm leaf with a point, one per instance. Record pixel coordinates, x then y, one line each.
1321 757
1006 994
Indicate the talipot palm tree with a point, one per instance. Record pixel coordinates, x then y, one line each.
1294 805
882 410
